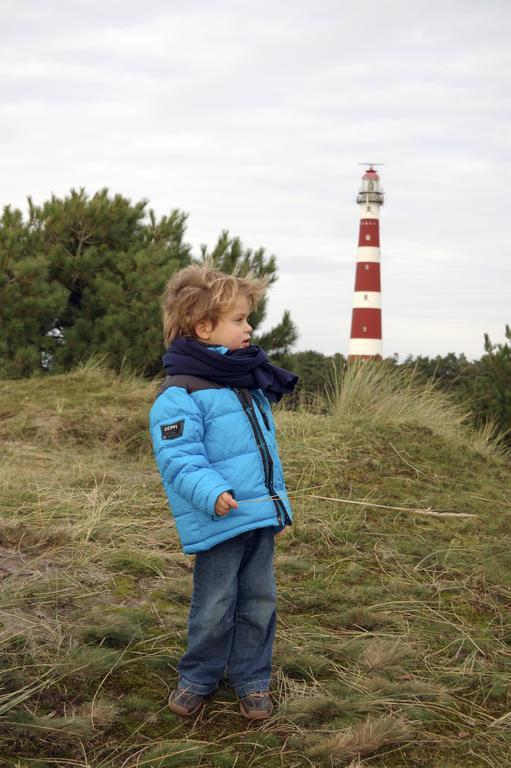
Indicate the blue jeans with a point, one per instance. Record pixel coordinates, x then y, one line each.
232 616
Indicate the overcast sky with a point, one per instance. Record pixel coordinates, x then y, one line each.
253 117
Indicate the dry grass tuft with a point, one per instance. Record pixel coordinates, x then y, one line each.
313 709
361 739
87 661
172 754
380 654
388 395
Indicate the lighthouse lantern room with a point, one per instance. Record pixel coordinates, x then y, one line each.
366 336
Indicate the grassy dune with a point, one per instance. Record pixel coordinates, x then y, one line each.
394 634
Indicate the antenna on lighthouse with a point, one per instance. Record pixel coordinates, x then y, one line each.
366 336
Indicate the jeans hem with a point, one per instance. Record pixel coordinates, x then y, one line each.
252 687
200 690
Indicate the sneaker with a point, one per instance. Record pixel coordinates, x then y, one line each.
185 703
256 706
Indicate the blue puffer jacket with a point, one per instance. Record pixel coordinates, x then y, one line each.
208 439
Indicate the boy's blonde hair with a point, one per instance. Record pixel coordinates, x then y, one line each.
202 293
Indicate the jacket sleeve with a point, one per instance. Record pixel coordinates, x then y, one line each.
177 434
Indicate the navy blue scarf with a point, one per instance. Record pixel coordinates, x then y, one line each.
247 367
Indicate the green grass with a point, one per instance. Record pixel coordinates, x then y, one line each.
394 639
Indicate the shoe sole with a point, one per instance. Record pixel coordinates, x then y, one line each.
255 715
182 711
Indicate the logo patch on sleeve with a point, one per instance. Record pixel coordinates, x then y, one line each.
171 431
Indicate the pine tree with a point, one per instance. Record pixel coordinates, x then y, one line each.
84 276
29 301
113 266
491 387
279 339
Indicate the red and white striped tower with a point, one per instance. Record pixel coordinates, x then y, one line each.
365 337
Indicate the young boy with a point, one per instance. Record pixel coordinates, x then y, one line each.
214 440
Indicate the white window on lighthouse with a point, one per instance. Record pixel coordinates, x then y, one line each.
368 237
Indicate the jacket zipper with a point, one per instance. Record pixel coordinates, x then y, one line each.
265 454
261 411
277 501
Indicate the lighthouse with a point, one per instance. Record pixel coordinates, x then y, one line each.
365 337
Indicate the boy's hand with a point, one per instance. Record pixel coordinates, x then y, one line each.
224 503
282 531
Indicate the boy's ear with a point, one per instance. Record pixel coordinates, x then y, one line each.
203 330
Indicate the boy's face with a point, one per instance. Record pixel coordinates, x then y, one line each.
232 329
